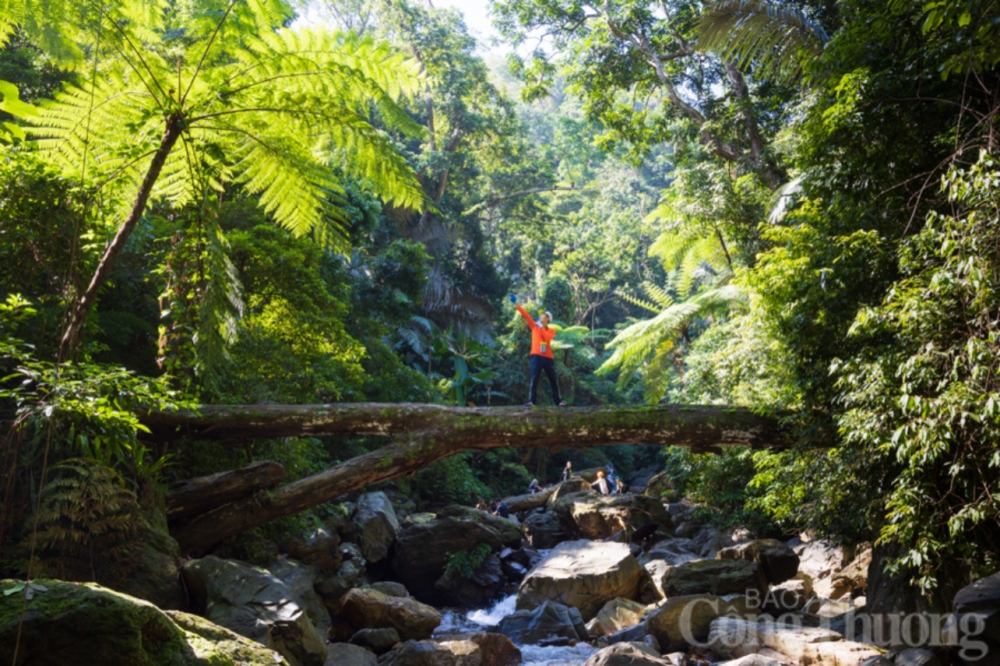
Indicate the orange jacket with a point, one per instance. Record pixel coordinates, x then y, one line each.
541 338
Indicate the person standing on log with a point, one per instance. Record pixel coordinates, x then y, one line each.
541 358
568 472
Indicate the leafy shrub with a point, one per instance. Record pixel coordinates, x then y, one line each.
464 563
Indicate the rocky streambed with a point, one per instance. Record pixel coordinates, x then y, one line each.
574 578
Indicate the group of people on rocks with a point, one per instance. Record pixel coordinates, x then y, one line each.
607 485
496 507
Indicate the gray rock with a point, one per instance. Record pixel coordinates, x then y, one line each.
333 587
917 657
434 653
320 548
477 591
377 525
497 649
753 660
584 574
543 530
426 541
365 608
718 577
776 559
84 623
257 604
378 641
391 588
548 624
344 654
634 634
627 654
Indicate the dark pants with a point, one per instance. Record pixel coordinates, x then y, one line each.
539 364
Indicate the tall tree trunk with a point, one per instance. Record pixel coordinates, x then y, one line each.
85 301
424 434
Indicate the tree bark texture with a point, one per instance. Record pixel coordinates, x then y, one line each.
196 496
81 307
423 434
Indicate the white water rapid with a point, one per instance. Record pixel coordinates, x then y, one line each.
484 619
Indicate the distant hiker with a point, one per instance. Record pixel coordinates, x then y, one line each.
541 354
482 505
500 509
601 483
568 472
619 485
533 487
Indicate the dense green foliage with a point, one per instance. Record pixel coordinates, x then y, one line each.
791 207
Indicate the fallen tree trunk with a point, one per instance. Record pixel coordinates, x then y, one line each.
193 497
424 434
530 501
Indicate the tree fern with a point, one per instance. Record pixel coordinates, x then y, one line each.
774 36
190 97
87 522
634 345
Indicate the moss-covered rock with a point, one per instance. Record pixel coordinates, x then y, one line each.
84 623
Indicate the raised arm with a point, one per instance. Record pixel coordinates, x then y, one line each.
527 317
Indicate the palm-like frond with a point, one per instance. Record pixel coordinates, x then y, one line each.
635 344
775 36
269 108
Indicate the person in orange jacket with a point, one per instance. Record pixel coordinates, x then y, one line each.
541 354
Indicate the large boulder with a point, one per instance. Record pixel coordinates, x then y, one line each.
776 558
627 654
661 487
256 603
320 548
718 577
671 551
614 616
599 516
820 560
543 530
977 618
852 577
571 486
807 645
156 577
427 541
475 591
377 525
84 623
548 624
462 652
584 574
684 621
366 608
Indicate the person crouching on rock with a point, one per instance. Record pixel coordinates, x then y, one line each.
482 505
601 484
500 509
533 487
541 354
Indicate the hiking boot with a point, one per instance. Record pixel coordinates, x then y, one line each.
529 404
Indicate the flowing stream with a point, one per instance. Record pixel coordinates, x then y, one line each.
484 619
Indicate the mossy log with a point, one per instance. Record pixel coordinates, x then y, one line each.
196 496
423 434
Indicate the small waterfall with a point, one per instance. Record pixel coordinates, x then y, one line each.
486 619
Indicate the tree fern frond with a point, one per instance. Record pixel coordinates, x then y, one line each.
634 344
659 295
638 302
775 36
